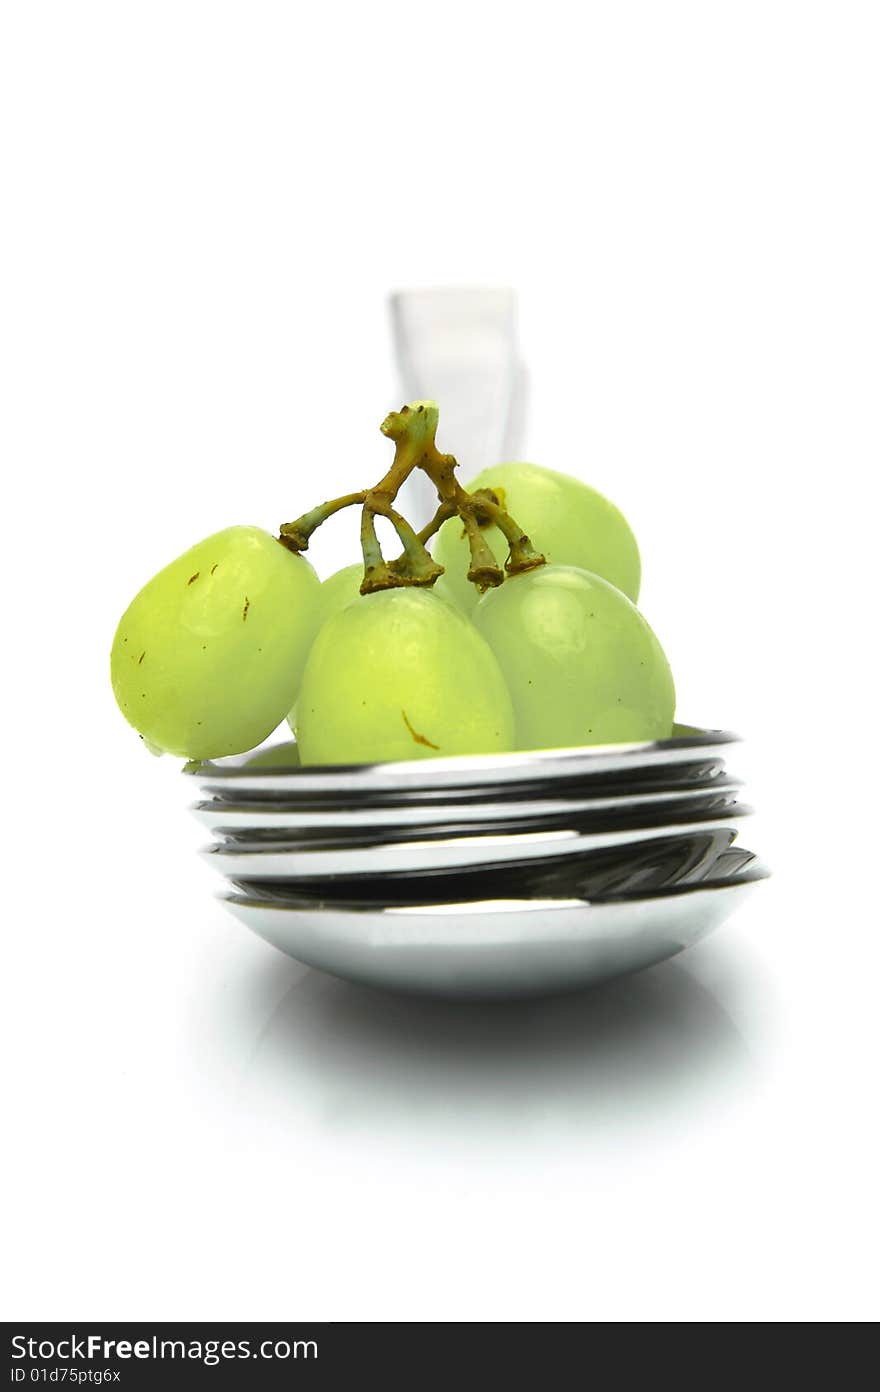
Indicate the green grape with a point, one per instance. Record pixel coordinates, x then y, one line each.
569 522
207 658
339 589
581 664
343 588
400 674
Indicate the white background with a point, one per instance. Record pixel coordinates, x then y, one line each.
204 207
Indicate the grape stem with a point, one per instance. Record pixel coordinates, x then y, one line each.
413 429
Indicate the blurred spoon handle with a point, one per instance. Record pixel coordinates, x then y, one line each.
459 348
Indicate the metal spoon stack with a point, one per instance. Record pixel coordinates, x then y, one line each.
501 875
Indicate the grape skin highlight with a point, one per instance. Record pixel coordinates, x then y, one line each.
568 522
581 664
400 674
207 658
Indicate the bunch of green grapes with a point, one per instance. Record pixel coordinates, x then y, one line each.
388 661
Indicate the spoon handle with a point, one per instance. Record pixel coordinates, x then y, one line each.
458 347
